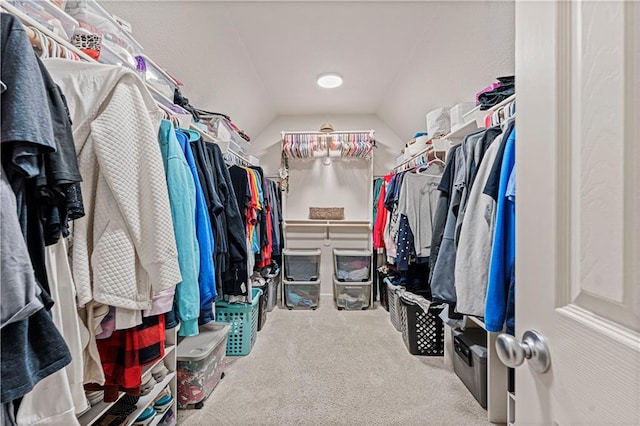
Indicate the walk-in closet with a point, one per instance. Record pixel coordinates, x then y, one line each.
305 212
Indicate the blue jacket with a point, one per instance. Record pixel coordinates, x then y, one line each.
204 231
503 253
182 198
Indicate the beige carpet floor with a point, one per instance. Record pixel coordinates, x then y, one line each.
330 367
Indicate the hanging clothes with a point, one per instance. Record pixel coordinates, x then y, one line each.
475 146
383 215
236 281
476 239
204 231
501 270
39 169
120 179
31 346
182 198
417 202
124 354
443 249
208 291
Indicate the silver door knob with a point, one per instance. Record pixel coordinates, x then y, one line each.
533 347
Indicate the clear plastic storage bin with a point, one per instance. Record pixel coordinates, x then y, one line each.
301 295
201 361
92 17
352 265
352 296
158 78
115 55
457 113
49 15
301 265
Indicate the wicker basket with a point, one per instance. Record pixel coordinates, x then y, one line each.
326 213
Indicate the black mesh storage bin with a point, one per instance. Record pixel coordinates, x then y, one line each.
264 301
422 330
382 291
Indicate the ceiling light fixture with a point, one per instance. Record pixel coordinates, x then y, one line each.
330 80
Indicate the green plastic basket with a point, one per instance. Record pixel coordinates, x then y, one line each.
243 318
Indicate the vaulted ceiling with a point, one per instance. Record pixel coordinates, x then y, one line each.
259 60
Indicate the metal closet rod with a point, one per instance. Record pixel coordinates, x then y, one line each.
239 157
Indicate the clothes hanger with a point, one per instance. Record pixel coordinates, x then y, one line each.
437 160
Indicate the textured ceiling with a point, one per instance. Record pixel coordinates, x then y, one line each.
259 60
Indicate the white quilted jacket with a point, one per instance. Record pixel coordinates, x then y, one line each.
123 251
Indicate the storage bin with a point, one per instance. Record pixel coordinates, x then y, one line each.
243 318
352 296
402 158
301 265
223 129
438 122
457 114
394 303
301 295
201 361
470 361
352 265
262 309
92 17
422 328
158 78
382 290
273 293
48 15
115 55
420 144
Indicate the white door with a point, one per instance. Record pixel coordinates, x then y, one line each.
578 210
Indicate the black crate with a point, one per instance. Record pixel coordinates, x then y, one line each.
422 332
382 290
264 301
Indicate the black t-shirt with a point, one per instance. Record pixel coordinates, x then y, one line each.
26 129
26 133
446 181
240 182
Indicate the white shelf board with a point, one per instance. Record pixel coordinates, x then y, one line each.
477 321
462 131
146 400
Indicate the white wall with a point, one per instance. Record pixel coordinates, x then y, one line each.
267 145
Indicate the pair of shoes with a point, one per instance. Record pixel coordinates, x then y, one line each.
159 372
95 397
146 417
116 415
148 385
164 401
160 405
